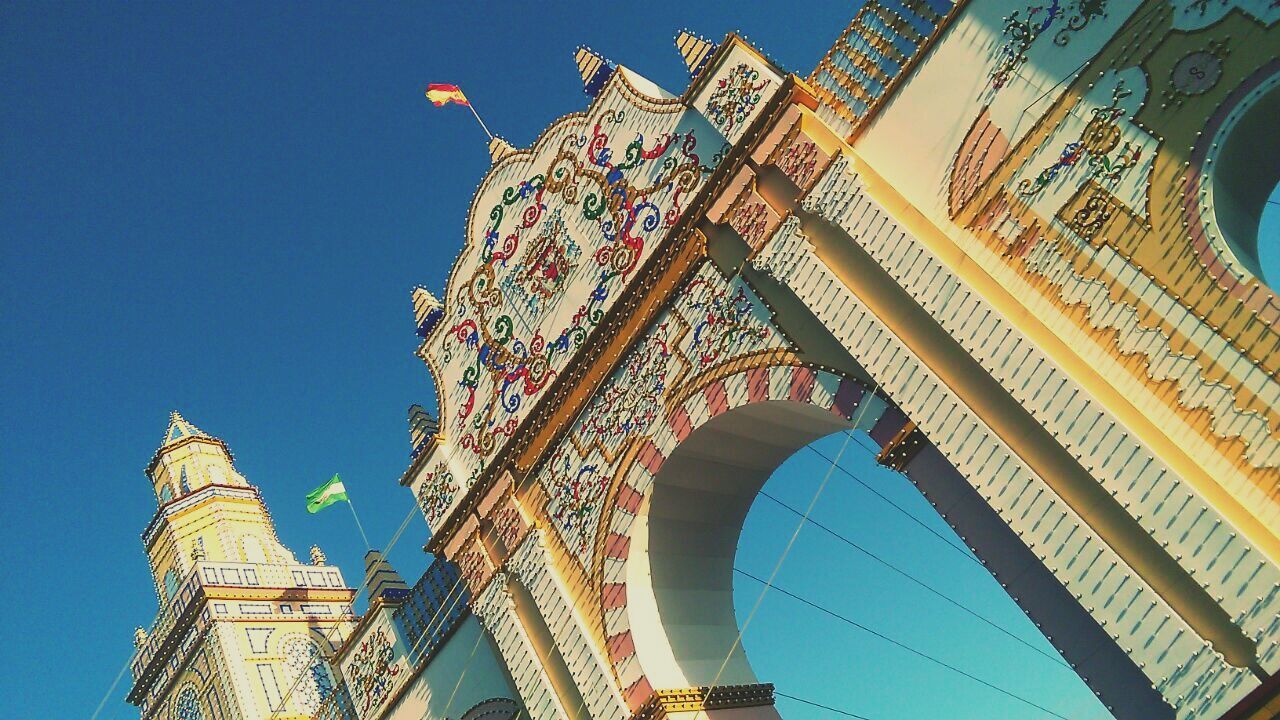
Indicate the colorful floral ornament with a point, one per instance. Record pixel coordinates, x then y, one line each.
631 400
735 96
1022 32
726 322
1096 141
575 505
371 672
437 493
506 362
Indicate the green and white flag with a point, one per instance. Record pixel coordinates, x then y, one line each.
326 495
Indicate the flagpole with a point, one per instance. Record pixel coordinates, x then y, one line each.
367 544
482 125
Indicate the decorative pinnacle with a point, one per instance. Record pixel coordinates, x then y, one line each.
317 556
694 50
422 427
594 68
179 428
499 148
427 310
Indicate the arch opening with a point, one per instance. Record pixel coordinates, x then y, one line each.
1244 171
680 578
680 573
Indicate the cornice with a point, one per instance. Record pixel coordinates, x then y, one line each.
663 703
170 447
191 500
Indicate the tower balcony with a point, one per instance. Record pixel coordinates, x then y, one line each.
234 591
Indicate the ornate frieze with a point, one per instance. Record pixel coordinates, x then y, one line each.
555 234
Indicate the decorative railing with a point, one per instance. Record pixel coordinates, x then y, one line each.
874 53
226 574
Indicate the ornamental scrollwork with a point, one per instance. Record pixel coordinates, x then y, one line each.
371 672
1094 146
735 97
509 355
1023 27
725 321
437 493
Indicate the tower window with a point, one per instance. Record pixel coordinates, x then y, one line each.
310 673
252 551
182 480
187 706
166 493
170 585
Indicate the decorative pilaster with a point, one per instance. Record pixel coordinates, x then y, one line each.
496 609
532 565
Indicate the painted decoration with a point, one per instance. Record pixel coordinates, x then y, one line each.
736 91
371 673
308 669
1022 28
436 493
736 95
711 322
1197 72
555 234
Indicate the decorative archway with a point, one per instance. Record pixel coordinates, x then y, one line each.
656 306
1240 157
678 510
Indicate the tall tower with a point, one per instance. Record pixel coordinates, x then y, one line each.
244 630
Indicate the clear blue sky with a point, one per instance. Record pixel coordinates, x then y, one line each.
221 210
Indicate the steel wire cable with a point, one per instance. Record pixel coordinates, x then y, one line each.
770 584
786 551
967 555
889 565
328 636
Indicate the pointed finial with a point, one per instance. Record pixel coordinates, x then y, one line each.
422 427
317 556
382 578
427 310
694 49
179 429
139 636
594 68
499 148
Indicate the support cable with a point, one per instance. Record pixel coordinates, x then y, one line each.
737 641
919 653
328 636
828 708
968 555
918 581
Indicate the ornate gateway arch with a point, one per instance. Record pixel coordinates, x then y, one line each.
998 238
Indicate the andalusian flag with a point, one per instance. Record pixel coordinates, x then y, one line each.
326 495
441 94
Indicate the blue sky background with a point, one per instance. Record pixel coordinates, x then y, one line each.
221 210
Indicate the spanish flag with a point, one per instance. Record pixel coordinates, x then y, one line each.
441 94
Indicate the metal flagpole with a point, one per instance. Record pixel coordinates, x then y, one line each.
367 544
482 125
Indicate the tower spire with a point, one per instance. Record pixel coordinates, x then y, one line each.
180 428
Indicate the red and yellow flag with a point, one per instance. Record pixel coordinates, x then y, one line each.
441 94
